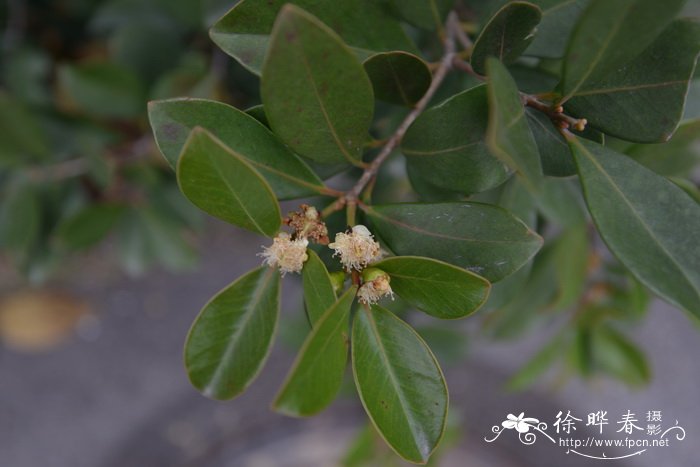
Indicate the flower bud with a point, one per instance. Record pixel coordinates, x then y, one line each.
337 280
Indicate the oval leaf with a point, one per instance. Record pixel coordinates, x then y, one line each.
509 135
400 383
172 121
610 33
317 374
231 338
221 183
318 288
484 239
439 289
558 20
648 222
640 101
312 80
365 25
446 145
506 35
398 77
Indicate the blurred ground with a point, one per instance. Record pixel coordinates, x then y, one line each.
116 393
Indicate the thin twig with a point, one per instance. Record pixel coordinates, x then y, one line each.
555 113
370 172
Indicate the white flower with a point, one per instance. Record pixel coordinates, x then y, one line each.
286 254
356 249
370 292
521 424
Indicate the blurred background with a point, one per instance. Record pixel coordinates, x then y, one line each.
104 265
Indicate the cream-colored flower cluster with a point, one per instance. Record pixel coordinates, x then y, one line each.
286 254
356 249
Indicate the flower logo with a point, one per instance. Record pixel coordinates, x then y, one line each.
520 423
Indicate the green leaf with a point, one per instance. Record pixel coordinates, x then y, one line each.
22 139
643 100
614 354
317 374
560 202
555 155
365 25
506 35
440 289
610 33
509 135
399 382
101 89
678 157
648 222
318 287
398 77
89 226
571 259
446 145
536 366
318 98
172 121
231 338
426 14
220 182
484 239
553 32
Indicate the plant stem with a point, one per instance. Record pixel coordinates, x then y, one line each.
395 139
555 113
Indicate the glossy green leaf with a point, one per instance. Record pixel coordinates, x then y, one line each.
318 288
172 121
232 336
398 77
648 222
221 183
312 80
365 25
610 33
506 35
400 383
509 135
426 191
678 157
640 101
439 289
446 145
553 32
89 226
426 14
316 376
481 238
101 89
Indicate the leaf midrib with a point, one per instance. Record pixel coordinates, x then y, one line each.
528 233
234 339
392 377
612 183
